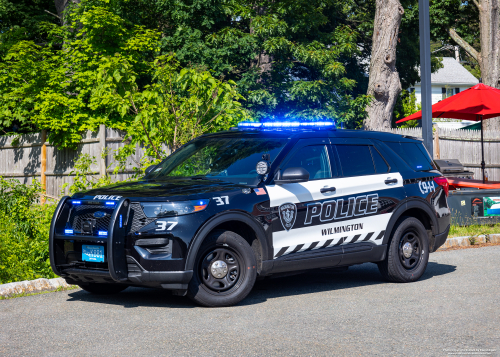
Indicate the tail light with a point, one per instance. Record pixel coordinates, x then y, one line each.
443 182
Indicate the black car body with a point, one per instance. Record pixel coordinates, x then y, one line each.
328 198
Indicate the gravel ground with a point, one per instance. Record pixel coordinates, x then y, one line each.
454 306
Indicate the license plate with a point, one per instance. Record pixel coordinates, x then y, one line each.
92 253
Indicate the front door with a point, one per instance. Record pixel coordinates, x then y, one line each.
295 205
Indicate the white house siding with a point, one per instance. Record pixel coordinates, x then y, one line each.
452 75
437 92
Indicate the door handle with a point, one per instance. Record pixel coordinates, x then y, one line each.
327 189
389 181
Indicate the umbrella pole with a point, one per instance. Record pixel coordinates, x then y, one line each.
482 148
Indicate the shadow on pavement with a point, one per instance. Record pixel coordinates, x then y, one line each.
313 281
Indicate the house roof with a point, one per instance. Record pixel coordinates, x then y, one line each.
452 73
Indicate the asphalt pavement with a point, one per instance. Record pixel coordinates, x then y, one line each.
453 308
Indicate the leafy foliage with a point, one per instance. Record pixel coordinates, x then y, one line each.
463 16
179 104
408 105
24 232
84 177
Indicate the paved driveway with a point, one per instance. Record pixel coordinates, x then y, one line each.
454 306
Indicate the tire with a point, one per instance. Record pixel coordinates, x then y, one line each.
103 289
225 270
406 265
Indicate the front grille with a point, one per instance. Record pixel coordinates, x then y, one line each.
82 213
79 214
138 219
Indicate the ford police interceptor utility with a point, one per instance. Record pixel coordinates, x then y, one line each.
259 200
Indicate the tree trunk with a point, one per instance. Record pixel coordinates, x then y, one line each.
61 6
384 84
263 60
489 57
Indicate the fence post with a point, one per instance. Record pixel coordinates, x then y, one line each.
437 154
43 168
102 145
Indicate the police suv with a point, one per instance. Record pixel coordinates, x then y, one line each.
259 200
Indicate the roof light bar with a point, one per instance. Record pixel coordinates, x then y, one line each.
287 125
246 124
75 202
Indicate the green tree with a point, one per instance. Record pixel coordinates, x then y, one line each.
179 104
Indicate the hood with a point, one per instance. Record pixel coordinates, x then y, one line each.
171 189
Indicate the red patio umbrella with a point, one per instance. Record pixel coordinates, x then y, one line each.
477 103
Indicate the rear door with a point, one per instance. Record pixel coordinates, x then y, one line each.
368 191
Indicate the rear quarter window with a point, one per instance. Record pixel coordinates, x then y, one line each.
414 154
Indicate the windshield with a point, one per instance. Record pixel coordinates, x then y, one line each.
227 159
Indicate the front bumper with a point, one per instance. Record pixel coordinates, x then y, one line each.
172 280
119 266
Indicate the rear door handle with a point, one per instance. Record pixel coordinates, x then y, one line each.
327 189
389 181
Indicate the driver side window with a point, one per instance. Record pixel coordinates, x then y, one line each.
312 158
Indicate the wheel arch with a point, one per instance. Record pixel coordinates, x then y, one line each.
237 222
418 209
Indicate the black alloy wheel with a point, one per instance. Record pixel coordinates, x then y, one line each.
407 252
410 250
225 270
220 269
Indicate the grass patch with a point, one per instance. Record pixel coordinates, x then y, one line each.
72 287
473 230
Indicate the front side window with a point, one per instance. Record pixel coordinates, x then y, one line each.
226 159
312 158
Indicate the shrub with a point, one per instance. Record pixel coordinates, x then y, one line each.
24 232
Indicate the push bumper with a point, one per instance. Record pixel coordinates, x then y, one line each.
120 268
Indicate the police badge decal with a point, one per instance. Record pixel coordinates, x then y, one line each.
288 214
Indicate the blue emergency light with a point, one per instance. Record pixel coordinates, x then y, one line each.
102 233
287 125
69 232
110 203
75 202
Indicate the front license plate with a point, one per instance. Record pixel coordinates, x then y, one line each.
92 253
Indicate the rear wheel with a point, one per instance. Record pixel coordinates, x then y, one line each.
103 289
408 252
225 270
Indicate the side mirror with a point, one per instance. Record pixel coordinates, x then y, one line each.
150 168
293 175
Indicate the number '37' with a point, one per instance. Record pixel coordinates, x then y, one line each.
162 225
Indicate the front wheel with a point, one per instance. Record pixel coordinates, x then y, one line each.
225 270
408 252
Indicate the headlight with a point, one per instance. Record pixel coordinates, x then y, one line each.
169 209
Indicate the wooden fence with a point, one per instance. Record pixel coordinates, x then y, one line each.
465 145
24 159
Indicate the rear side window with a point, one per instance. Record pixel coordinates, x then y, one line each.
380 164
356 160
414 154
